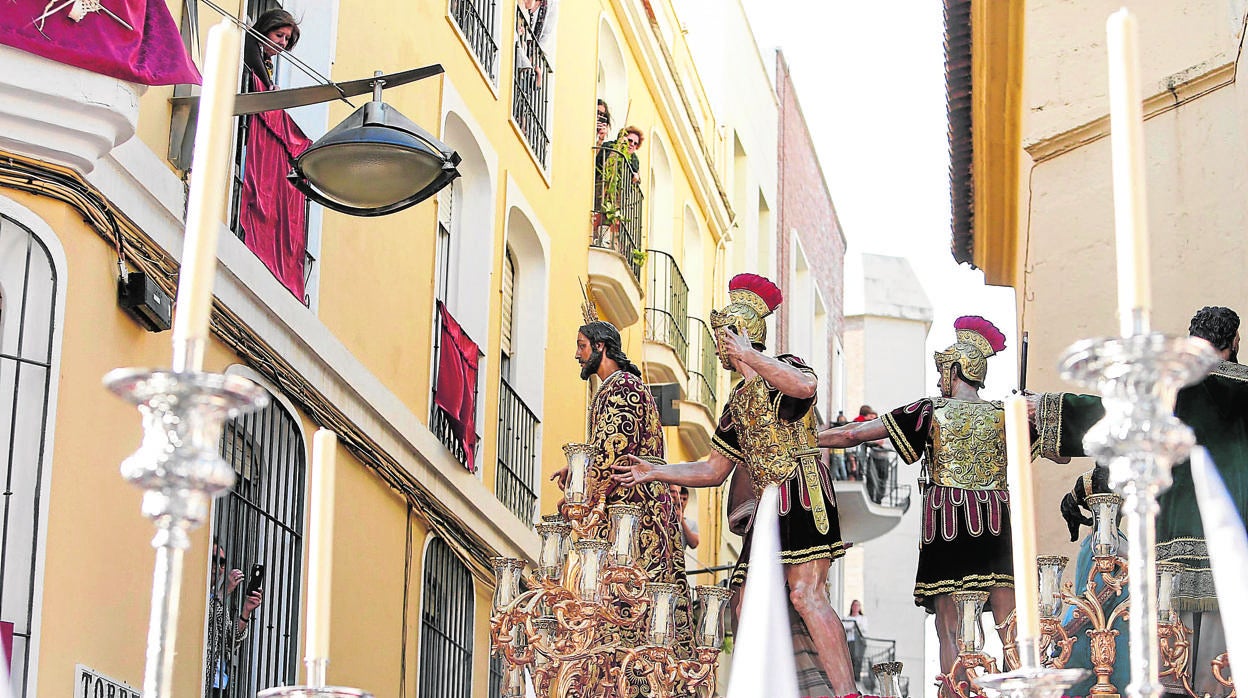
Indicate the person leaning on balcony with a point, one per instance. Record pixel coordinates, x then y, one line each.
966 508
282 33
603 125
634 138
768 428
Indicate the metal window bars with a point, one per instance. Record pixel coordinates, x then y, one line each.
446 626
530 96
27 327
615 220
259 521
667 316
702 364
476 21
515 481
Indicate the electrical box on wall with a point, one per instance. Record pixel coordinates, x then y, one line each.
666 395
144 301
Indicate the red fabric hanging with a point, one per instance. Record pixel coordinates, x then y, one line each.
456 390
271 210
150 54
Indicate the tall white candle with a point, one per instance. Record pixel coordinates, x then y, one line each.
320 542
1126 121
209 178
1022 523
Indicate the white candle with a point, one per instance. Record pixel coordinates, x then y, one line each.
1126 120
1022 506
320 542
209 178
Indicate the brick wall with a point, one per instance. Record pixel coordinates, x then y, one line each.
806 208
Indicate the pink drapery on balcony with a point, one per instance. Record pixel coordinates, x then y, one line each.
272 213
457 381
150 54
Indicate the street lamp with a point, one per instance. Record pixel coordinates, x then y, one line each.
375 162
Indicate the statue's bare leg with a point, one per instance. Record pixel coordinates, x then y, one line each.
808 593
946 630
1002 600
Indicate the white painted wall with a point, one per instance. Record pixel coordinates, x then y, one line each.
1195 154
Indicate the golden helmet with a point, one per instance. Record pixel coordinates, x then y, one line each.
977 340
751 298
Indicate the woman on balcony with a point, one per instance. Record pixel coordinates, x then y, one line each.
281 33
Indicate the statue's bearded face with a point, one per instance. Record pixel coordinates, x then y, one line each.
588 355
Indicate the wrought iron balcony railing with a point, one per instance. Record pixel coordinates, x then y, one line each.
515 483
530 97
475 19
877 468
615 220
702 364
667 298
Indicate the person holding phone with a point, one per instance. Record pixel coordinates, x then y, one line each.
225 633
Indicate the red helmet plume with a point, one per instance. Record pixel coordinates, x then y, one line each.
760 286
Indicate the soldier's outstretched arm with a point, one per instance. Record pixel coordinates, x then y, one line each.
631 470
852 434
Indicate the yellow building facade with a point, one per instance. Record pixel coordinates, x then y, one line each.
505 249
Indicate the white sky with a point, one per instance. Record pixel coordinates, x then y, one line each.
870 78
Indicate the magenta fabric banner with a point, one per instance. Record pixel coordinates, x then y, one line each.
272 211
149 51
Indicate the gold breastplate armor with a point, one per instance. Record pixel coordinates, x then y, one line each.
968 445
775 449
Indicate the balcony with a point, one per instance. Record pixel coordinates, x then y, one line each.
475 21
515 482
615 254
698 413
666 350
530 96
868 497
703 364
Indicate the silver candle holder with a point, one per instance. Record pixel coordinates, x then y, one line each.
179 467
1140 439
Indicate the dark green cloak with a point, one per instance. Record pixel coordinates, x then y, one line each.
1217 410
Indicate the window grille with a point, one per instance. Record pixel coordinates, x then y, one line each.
28 292
530 96
259 521
515 480
476 21
446 625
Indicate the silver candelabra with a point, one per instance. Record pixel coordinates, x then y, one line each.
1140 439
179 468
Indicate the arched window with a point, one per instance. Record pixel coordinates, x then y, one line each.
445 625
461 318
28 301
257 529
523 331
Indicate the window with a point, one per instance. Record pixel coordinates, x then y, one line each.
453 422
508 307
446 207
260 522
28 297
279 235
476 20
445 625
